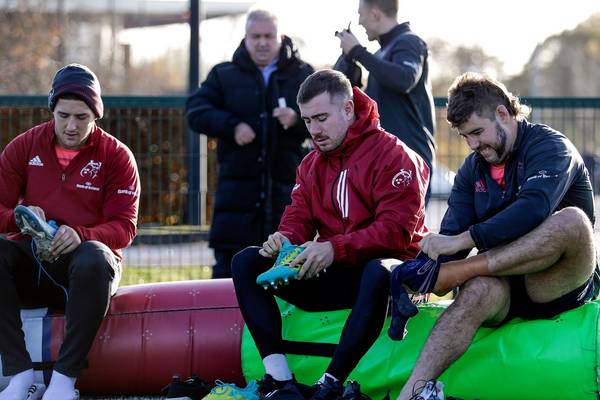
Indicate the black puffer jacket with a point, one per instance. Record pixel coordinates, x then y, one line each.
255 180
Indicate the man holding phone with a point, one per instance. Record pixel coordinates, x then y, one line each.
398 75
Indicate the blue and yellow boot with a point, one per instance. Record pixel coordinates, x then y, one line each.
281 272
229 391
41 232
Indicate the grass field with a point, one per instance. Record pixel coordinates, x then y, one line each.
137 275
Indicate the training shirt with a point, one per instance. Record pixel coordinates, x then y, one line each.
97 194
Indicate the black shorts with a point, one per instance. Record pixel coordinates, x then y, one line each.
522 306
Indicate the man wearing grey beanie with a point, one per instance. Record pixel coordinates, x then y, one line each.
69 196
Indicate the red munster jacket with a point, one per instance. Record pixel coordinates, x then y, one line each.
366 197
97 194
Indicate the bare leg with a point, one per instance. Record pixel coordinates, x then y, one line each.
560 249
481 300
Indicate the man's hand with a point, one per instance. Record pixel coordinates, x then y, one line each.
435 244
65 241
347 41
316 257
243 134
286 116
271 247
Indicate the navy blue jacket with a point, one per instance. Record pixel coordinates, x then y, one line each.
399 83
255 180
544 173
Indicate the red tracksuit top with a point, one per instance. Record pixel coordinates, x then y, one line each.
367 197
97 194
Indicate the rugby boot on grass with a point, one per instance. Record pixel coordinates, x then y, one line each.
192 388
229 391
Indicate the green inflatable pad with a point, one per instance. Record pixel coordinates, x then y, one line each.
541 359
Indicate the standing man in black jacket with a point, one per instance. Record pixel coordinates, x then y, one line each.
249 104
398 75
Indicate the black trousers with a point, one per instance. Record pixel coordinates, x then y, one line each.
88 276
222 267
364 289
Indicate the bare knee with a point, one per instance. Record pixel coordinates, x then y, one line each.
575 224
579 239
486 297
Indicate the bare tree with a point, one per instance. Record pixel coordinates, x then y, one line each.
449 61
28 43
567 64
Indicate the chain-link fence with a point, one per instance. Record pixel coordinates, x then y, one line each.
168 246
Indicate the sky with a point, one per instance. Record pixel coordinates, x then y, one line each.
509 29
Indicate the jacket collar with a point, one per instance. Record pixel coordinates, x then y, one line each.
521 130
287 55
397 30
92 139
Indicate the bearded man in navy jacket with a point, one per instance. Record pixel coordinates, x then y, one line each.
523 198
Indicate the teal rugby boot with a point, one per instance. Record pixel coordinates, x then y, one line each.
40 231
281 272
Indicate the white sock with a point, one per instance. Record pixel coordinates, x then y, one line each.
61 387
329 375
276 365
18 385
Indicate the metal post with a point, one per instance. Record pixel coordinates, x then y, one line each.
193 139
203 182
62 17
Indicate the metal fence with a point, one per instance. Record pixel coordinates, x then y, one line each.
169 247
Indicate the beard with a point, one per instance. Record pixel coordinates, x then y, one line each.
496 152
500 147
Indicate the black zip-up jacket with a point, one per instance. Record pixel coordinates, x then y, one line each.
399 83
255 180
544 173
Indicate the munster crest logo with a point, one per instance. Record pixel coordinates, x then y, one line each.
91 169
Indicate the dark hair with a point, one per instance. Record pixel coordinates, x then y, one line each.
480 94
324 81
69 96
388 7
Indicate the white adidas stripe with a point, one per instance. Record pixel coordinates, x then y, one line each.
342 193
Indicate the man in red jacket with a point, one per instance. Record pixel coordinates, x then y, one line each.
70 171
359 197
